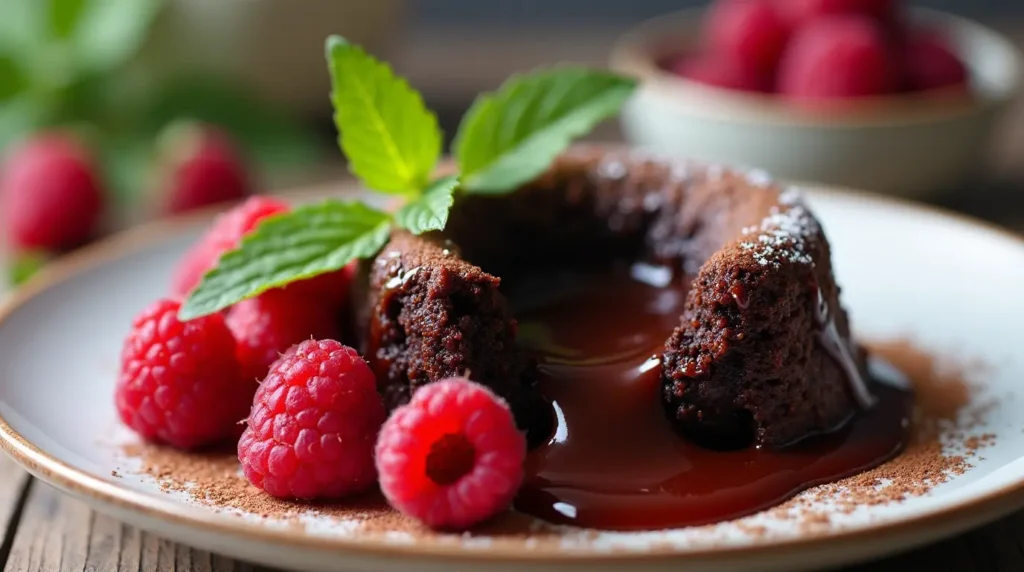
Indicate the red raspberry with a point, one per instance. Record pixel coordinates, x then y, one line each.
200 166
50 194
180 381
313 425
721 71
799 12
748 31
225 234
930 62
452 457
271 323
836 57
329 289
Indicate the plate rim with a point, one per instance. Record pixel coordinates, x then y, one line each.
56 472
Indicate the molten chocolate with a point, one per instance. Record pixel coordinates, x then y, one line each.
614 461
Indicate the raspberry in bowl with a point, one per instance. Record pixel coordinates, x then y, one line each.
862 94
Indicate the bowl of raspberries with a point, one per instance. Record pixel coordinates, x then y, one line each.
865 94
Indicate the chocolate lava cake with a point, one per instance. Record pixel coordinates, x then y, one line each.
762 353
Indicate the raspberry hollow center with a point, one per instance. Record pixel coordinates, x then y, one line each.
451 457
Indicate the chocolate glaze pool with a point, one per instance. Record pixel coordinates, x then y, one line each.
613 460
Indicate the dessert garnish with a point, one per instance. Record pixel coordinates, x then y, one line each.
180 381
393 144
452 457
313 424
224 234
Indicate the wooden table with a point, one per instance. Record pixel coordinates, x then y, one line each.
43 530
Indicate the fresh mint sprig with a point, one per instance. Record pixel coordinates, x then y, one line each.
393 144
509 137
306 242
391 139
430 212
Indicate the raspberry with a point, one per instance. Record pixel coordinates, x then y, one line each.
271 323
452 457
748 31
179 381
201 167
799 12
313 425
329 289
836 57
50 194
721 71
227 231
930 62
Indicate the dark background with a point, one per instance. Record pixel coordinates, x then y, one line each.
519 12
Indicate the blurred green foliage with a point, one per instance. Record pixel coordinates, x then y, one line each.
25 265
61 64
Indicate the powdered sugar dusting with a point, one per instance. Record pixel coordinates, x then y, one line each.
613 169
783 236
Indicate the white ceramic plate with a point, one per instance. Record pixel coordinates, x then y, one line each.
951 284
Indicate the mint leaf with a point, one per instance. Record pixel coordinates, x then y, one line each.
390 138
430 210
308 241
511 136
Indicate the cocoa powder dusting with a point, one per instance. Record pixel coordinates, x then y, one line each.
213 478
944 413
942 396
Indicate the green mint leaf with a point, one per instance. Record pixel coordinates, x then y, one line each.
511 136
390 138
308 241
430 210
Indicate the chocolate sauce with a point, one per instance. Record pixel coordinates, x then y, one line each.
613 461
839 349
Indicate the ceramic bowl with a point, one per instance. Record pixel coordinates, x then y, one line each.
903 145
